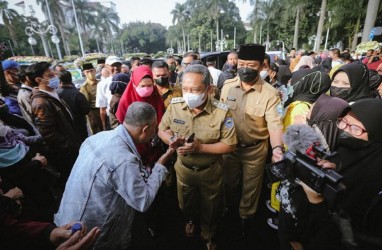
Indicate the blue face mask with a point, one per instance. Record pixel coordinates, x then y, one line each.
54 82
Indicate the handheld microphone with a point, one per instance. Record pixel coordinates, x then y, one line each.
299 137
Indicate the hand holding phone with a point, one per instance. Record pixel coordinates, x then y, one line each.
191 138
191 146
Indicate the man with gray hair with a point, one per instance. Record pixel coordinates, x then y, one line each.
201 129
108 181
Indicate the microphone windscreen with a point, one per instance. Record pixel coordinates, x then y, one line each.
300 137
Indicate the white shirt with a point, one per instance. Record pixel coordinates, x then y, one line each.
215 73
336 62
103 96
26 86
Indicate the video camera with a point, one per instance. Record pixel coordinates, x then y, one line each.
304 167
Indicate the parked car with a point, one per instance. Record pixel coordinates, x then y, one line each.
221 58
280 54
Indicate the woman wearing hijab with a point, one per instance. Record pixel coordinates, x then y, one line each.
351 82
117 87
323 118
140 89
306 62
360 206
307 86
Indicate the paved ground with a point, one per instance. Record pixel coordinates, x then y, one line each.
171 232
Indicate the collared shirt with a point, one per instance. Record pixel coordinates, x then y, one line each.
215 73
214 124
254 111
104 95
26 87
106 186
171 92
89 89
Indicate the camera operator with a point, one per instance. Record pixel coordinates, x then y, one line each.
355 222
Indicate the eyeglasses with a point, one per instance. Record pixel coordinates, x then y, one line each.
354 129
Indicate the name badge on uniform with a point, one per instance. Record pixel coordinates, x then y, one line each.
231 98
179 121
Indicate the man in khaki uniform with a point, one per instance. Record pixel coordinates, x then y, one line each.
89 89
161 76
198 166
253 103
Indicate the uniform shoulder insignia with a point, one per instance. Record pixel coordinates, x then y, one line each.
228 122
220 105
235 79
177 100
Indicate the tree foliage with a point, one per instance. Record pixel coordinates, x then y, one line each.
202 24
146 37
195 21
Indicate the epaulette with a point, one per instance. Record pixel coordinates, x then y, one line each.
219 105
231 80
177 100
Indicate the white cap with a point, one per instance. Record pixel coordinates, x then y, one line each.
112 59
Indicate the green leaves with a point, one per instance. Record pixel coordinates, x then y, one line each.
145 37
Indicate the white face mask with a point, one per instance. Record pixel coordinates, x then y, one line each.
263 74
194 100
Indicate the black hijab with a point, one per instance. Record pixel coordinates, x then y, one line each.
369 112
308 85
359 81
284 74
326 65
324 115
361 167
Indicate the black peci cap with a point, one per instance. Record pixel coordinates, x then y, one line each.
86 66
252 51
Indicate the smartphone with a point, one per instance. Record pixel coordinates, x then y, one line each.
191 138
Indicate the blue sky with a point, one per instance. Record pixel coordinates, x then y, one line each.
157 11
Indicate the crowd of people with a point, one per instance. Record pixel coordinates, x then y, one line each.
98 154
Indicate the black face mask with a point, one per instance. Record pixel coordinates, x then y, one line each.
163 81
339 92
346 140
247 74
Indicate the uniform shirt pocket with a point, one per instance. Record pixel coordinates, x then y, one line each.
179 130
257 114
208 135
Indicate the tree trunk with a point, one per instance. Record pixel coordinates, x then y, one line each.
184 40
371 16
217 33
13 35
267 45
255 19
64 42
99 51
320 25
356 31
296 28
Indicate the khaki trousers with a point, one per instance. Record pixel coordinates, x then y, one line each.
249 163
94 121
200 193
